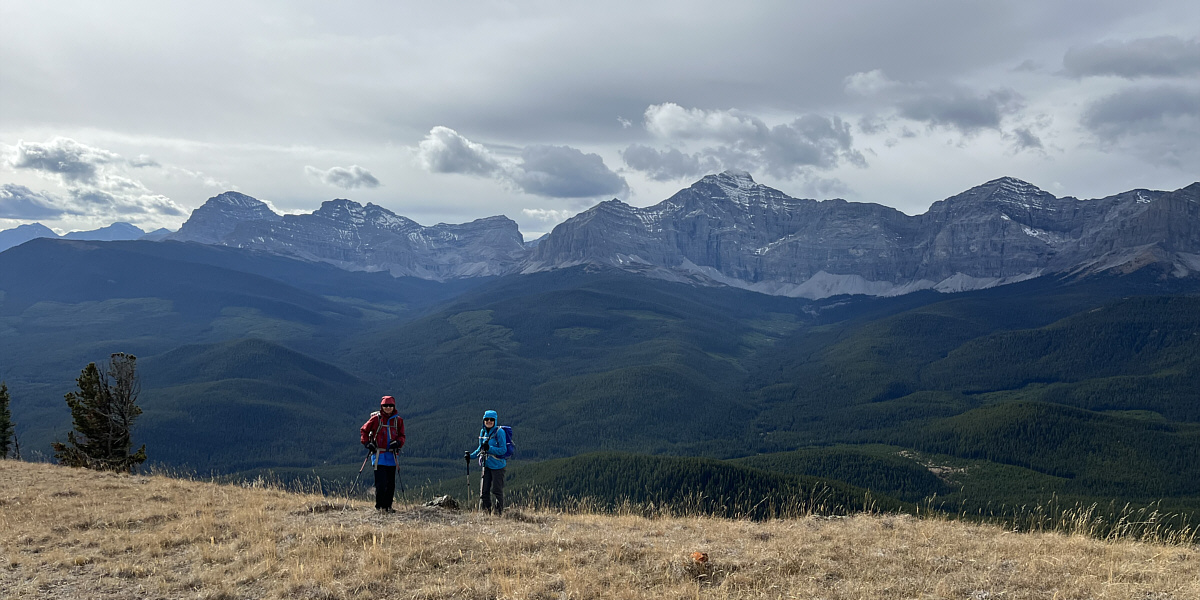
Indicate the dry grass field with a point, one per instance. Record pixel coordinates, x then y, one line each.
68 533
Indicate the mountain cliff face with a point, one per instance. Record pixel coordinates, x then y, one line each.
218 217
728 229
360 238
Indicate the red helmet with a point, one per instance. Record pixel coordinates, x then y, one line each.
387 401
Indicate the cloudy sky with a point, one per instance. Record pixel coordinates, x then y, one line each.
452 111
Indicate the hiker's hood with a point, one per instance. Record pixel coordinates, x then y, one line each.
387 401
491 414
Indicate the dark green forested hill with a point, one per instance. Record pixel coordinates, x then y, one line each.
242 404
887 470
1101 454
614 361
66 303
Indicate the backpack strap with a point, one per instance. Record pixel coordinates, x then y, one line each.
381 424
492 435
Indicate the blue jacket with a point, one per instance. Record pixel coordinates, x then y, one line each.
497 443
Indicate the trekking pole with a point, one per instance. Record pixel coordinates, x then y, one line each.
467 458
354 488
403 492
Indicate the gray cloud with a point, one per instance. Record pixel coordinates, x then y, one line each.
94 179
1027 66
347 178
564 172
534 64
669 164
445 151
963 110
1026 139
1140 110
20 202
1163 56
872 124
811 140
97 201
551 171
946 106
745 142
65 158
1158 124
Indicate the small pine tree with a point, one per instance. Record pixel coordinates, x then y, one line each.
103 411
6 424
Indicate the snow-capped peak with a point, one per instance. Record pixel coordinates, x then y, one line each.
1015 192
237 200
733 182
738 186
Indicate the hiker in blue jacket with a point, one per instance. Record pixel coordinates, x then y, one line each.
492 443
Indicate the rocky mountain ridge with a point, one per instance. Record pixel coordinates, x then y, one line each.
730 230
360 238
727 229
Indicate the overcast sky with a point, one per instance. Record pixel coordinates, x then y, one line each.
453 111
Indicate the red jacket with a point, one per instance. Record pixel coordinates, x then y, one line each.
380 432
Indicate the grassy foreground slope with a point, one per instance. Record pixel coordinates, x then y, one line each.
81 534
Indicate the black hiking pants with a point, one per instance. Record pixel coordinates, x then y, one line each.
492 480
385 486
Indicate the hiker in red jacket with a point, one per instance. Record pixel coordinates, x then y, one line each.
383 435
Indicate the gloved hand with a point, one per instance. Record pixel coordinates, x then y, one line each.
467 455
394 445
371 447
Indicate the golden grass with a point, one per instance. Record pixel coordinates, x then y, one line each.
68 533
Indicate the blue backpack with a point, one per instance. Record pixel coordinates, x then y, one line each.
509 447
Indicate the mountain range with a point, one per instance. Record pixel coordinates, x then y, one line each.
726 229
115 232
361 238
